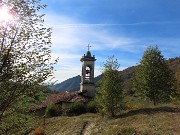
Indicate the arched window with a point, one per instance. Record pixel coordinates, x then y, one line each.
88 73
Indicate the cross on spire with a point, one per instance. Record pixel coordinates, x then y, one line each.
89 47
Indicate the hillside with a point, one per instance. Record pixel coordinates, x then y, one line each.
73 84
127 74
160 120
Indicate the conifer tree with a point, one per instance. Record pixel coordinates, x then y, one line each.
153 78
110 93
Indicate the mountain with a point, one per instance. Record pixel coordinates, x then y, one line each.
174 64
73 84
127 74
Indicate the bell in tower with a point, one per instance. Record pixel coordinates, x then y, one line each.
87 77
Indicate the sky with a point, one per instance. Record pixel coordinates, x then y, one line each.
123 28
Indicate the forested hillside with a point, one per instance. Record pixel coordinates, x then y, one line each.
73 84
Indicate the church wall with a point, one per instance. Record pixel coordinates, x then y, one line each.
90 89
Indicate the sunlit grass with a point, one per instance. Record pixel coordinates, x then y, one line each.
160 120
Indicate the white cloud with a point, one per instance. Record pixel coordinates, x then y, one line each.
70 38
70 33
62 75
69 44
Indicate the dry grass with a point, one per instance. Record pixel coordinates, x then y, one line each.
160 120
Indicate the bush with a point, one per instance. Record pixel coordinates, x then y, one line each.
51 110
92 106
76 108
39 131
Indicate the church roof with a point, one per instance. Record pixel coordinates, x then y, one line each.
88 57
60 97
88 54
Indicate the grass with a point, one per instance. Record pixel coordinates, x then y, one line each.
159 120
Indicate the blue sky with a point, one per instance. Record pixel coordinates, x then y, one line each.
123 28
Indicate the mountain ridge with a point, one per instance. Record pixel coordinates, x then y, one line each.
73 84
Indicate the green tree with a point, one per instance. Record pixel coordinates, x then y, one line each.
25 55
110 94
153 78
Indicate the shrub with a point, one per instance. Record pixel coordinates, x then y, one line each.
51 110
39 131
92 106
76 108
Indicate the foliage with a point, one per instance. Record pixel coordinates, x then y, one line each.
76 108
174 63
92 106
178 80
39 131
25 55
153 78
51 110
110 93
16 121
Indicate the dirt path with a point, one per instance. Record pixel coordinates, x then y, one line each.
87 128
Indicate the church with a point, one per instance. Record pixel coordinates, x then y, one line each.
86 92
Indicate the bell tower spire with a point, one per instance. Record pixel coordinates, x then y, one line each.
87 77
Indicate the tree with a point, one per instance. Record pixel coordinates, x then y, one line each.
25 55
153 78
110 94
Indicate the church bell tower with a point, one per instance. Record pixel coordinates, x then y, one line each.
87 77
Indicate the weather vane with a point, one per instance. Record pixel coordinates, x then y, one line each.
89 47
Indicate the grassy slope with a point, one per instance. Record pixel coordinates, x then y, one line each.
160 120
